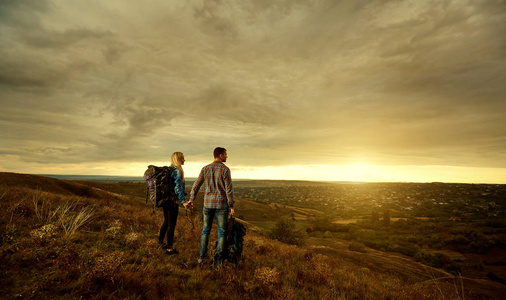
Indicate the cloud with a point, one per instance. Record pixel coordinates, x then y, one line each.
212 23
57 39
22 14
277 82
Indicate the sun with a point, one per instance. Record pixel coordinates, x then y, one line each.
359 172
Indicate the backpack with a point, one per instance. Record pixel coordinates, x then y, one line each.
235 238
160 189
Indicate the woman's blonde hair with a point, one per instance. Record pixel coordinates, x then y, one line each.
176 159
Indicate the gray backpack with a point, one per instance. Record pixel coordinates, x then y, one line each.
160 189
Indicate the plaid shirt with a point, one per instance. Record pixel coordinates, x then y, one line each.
219 194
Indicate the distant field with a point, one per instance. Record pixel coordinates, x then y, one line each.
349 221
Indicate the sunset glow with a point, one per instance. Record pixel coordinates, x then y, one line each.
371 173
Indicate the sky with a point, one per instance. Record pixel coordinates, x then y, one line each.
293 89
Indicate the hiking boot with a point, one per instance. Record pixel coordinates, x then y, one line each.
172 251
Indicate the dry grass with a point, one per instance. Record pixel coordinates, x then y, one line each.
42 208
70 221
443 284
64 215
106 247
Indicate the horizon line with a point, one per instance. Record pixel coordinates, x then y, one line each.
277 179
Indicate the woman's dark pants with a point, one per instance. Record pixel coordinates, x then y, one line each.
170 213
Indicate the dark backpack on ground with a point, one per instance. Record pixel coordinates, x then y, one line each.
160 189
235 238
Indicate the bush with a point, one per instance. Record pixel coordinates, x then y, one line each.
284 231
435 242
439 260
327 235
386 217
358 247
406 248
400 224
324 223
378 244
458 241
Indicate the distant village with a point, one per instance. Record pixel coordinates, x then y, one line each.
402 199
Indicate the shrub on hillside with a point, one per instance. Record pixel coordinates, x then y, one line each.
439 260
400 224
44 232
378 244
324 223
405 248
434 241
284 231
458 241
106 265
358 247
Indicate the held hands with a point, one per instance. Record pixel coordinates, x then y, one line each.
188 205
232 212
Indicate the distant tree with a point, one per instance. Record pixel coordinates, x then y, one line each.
284 231
386 217
321 223
375 216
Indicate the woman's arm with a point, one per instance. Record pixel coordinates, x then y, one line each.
178 185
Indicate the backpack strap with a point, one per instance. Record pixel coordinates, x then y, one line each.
172 192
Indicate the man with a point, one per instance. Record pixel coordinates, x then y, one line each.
218 201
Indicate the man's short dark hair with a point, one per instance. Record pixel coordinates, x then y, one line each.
219 151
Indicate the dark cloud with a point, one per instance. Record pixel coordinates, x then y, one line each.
213 23
219 98
23 13
113 53
140 118
29 74
61 39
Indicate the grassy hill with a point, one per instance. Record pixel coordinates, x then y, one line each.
70 239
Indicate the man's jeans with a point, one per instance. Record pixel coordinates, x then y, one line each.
221 219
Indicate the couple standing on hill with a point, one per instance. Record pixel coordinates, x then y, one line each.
218 201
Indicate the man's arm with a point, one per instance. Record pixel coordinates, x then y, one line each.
230 192
196 186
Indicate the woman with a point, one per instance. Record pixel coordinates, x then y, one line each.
171 209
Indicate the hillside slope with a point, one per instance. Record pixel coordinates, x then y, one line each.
47 184
47 253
